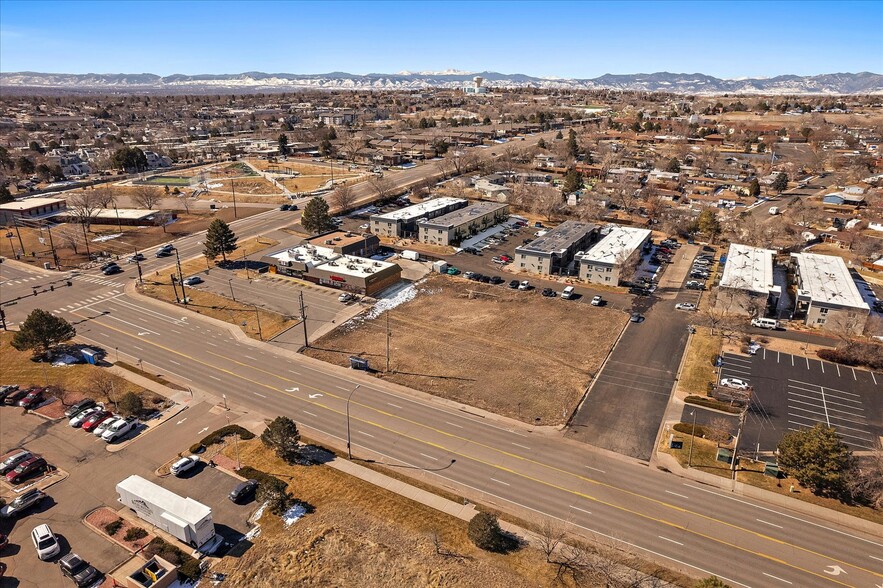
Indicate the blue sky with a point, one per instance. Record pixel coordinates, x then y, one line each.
566 39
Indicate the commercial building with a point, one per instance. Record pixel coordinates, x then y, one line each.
553 252
30 209
451 228
135 217
619 249
347 243
403 222
746 286
827 297
322 265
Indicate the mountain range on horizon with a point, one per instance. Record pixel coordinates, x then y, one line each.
677 83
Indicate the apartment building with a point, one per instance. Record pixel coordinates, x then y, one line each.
553 252
451 228
606 262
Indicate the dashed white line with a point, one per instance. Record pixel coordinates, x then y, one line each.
366 434
429 456
394 405
676 494
596 469
210 343
670 540
453 424
501 482
580 509
214 377
311 413
294 372
877 558
138 348
174 362
776 578
769 523
249 357
344 388
259 394
522 446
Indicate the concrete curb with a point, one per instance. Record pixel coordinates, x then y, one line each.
167 415
105 535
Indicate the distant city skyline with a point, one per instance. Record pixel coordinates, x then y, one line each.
548 39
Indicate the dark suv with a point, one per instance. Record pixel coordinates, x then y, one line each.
73 566
243 491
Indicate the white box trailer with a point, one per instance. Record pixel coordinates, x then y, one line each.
412 255
188 520
440 267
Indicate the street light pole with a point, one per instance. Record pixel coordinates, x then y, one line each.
692 440
233 296
349 451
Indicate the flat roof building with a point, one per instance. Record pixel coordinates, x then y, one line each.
31 209
827 296
747 286
606 262
322 265
453 227
403 223
553 252
346 243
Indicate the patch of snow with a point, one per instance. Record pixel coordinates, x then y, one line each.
103 238
293 514
65 360
213 186
404 295
256 516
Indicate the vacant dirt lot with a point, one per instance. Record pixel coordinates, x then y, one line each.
512 353
256 186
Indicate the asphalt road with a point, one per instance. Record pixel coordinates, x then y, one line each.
497 462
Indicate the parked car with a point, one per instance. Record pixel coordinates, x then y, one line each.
549 293
118 429
636 317
285 207
13 397
497 280
22 503
514 284
452 271
694 285
243 490
78 419
345 297
639 291
597 301
14 458
114 269
25 469
34 397
472 250
735 383
73 566
184 464
136 258
8 389
685 306
106 424
192 281
524 285
45 542
79 407
96 419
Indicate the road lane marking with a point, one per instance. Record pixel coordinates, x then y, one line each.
838 369
769 523
777 578
854 377
249 357
344 388
676 494
429 456
596 469
501 482
671 540
174 362
214 377
394 405
259 394
366 434
312 414
877 558
209 343
875 379
138 348
580 509
547 483
294 372
453 424
522 446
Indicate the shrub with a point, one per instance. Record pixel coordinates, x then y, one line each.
219 435
135 533
485 532
113 527
686 429
190 570
711 403
270 489
131 404
855 354
188 567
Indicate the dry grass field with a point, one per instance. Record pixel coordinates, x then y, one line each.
255 186
301 167
362 535
512 353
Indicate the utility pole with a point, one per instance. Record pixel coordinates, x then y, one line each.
303 319
258 315
233 186
692 440
52 244
175 288
349 450
181 277
230 283
119 222
736 442
86 239
9 236
388 335
17 232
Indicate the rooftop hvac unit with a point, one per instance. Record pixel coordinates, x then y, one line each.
368 270
334 263
348 235
376 264
329 241
338 238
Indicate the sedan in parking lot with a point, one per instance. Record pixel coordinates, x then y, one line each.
243 491
34 397
636 317
525 285
79 407
694 285
548 292
735 383
106 424
597 301
497 280
14 458
184 464
96 419
78 419
118 429
685 306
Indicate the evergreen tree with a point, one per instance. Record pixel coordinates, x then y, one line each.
316 218
709 224
130 159
332 134
283 144
282 436
541 144
325 148
572 145
559 136
754 188
780 184
573 181
41 331
5 194
673 166
485 532
818 459
219 240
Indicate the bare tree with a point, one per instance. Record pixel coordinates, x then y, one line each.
866 480
70 236
105 195
628 266
463 161
445 167
185 201
343 197
102 381
146 196
718 430
83 205
547 201
383 186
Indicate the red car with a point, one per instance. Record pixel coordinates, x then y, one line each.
33 398
25 469
96 419
506 258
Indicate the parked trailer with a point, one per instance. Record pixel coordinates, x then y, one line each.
188 520
412 255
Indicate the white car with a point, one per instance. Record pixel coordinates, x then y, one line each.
184 464
118 429
102 427
685 306
597 301
345 297
735 383
45 542
78 419
525 285
192 281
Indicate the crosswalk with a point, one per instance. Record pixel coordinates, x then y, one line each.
97 280
19 281
87 302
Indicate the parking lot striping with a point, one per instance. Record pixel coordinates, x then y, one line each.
839 426
777 578
596 469
676 494
522 446
429 457
792 361
807 362
670 540
312 414
838 370
580 509
735 371
829 395
827 387
852 414
840 433
768 523
854 377
501 482
872 376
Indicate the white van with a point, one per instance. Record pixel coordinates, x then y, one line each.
774 210
567 293
765 323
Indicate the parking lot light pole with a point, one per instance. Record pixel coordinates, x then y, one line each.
233 296
692 440
349 450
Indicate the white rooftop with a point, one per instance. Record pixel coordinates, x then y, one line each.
827 280
749 268
186 509
422 209
29 203
617 246
327 259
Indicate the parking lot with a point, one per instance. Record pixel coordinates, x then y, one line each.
793 393
94 473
